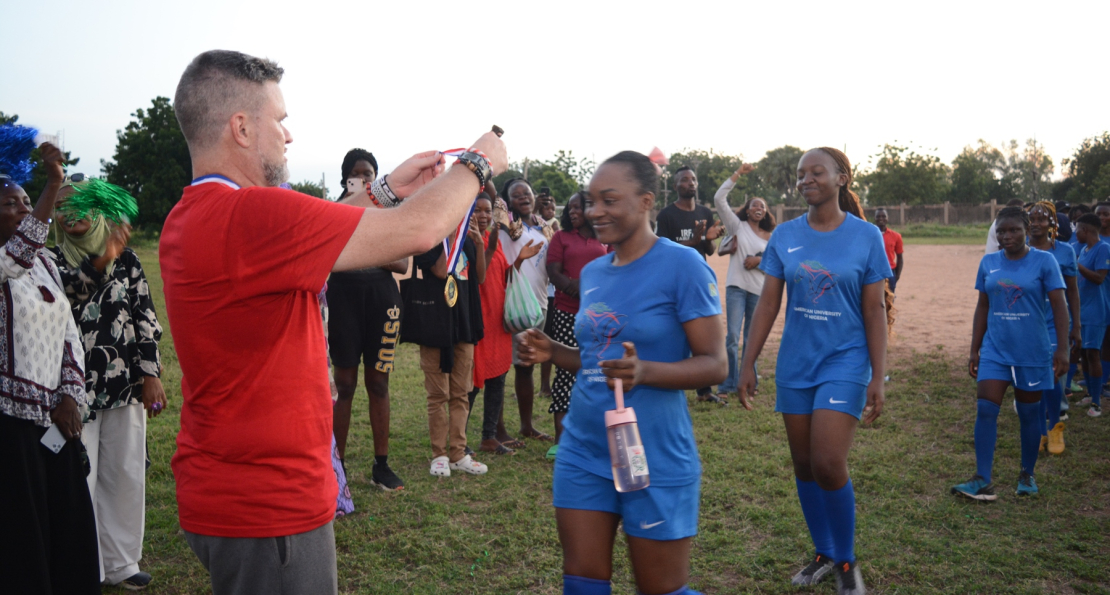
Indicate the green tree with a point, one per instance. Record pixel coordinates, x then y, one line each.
712 169
34 187
564 174
976 175
903 175
309 188
777 175
1028 173
151 162
1085 168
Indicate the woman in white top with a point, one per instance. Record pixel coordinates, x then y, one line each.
751 226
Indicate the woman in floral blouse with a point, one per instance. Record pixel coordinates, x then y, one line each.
47 530
111 303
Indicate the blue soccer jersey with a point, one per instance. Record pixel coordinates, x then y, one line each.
1092 299
646 302
1065 258
1017 289
824 339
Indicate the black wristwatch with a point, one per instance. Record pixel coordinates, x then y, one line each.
477 164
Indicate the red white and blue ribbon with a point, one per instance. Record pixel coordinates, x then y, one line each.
215 179
453 250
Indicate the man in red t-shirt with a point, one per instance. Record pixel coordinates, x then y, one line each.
242 263
892 240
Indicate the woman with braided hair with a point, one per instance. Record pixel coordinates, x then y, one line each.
832 354
1010 345
1043 236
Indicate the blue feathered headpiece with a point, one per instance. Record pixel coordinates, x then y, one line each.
16 144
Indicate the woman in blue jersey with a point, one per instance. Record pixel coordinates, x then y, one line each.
1043 236
660 334
833 352
1010 345
1094 262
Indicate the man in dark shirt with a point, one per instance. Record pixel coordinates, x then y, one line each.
685 221
690 224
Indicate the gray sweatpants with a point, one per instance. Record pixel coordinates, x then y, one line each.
292 565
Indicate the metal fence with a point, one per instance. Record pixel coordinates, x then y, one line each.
944 213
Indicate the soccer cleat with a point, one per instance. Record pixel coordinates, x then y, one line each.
1056 439
813 573
1085 400
440 467
384 477
1027 486
976 488
1044 444
1063 416
469 465
136 582
1094 411
849 581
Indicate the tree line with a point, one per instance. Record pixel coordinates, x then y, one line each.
151 161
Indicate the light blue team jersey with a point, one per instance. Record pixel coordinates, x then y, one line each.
1065 258
646 302
1017 289
824 339
1093 308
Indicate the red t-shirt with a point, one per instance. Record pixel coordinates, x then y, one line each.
574 252
892 240
241 271
493 355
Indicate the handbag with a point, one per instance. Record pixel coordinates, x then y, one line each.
522 308
425 316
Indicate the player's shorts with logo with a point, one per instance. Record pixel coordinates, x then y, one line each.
661 513
364 319
1027 378
842 396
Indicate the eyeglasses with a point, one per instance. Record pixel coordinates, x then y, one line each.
78 177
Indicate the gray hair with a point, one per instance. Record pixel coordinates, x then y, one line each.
215 85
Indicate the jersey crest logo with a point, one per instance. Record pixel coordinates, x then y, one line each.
815 278
605 325
1010 292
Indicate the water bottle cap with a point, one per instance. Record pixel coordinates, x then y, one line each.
624 416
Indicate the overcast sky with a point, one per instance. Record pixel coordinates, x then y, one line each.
592 77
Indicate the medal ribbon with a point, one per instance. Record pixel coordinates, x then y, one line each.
454 249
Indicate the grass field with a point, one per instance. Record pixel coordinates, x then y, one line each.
496 533
933 233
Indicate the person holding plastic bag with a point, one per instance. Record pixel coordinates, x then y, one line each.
660 335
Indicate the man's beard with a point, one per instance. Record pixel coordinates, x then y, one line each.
276 173
687 193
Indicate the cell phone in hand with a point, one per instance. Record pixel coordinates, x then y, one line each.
53 439
356 186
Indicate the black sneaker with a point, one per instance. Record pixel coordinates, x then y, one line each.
135 582
849 581
384 477
817 570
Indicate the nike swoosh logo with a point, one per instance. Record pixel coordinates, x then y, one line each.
794 249
589 291
646 526
835 402
1035 383
995 271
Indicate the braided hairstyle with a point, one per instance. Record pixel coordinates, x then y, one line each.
1018 213
1050 212
848 200
353 156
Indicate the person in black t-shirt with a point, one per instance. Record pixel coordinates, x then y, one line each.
690 224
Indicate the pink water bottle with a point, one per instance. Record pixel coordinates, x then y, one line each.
626 450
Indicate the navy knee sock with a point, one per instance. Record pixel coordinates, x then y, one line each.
813 509
1094 388
986 435
840 509
1042 417
580 585
1030 435
1072 369
683 591
1052 401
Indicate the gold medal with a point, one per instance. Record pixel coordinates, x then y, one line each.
451 292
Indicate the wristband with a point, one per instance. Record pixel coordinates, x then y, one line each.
382 194
477 162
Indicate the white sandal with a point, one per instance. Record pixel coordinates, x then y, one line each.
440 467
470 466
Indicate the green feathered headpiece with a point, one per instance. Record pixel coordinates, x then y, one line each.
100 197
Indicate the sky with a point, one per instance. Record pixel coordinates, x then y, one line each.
593 77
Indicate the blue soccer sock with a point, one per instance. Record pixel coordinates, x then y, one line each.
1052 399
580 585
1072 369
813 509
840 509
1030 435
1042 417
986 435
1095 388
